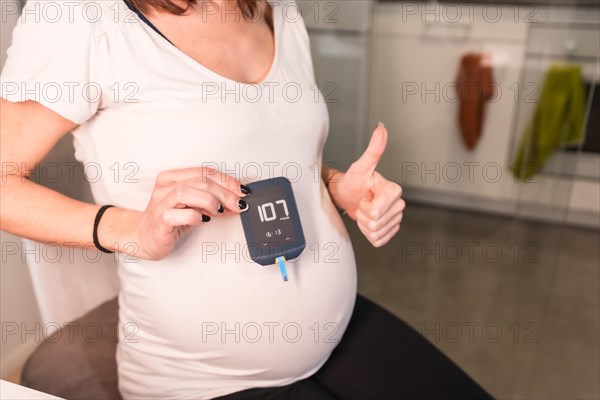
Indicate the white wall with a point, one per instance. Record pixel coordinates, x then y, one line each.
17 300
415 62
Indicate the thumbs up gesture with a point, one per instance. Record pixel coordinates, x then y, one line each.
374 202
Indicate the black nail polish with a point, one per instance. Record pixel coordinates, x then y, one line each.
205 218
245 189
242 205
221 210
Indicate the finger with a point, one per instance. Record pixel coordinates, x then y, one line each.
384 240
203 173
383 194
182 174
230 200
382 224
185 216
365 207
381 206
364 230
368 161
229 182
184 196
382 232
386 195
376 240
382 203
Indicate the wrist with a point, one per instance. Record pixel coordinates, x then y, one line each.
332 182
117 231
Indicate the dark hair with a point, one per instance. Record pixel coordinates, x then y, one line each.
249 8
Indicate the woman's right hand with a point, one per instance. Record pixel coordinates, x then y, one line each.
180 197
181 200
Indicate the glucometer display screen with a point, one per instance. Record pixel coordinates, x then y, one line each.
271 223
270 218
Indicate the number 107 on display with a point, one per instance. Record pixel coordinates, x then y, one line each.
267 211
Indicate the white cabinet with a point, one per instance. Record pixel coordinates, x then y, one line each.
415 65
341 68
337 15
340 43
417 48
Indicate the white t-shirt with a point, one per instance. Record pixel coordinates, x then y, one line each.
206 320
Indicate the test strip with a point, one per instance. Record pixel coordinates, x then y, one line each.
281 262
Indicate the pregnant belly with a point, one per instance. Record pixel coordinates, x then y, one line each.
234 320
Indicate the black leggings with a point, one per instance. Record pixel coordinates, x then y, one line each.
379 357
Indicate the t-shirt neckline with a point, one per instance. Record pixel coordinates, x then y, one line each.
205 69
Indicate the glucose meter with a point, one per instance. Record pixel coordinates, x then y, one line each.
272 224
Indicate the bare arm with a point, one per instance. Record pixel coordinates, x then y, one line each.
28 131
181 199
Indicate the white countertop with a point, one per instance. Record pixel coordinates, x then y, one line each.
11 391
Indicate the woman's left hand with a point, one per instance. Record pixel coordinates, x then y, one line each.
374 202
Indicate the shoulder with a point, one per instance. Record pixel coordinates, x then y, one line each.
289 13
293 34
55 47
48 27
289 9
74 15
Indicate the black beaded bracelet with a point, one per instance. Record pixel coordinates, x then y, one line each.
95 233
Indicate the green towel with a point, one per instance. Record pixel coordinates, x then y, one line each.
557 121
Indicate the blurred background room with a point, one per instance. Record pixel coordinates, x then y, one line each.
493 112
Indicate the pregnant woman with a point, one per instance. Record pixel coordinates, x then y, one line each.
198 99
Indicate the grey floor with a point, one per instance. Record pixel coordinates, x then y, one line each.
515 303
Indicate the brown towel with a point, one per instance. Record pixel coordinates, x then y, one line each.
475 87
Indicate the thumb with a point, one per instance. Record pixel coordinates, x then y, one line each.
367 163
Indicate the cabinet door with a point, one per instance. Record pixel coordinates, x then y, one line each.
414 93
10 16
336 15
340 63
